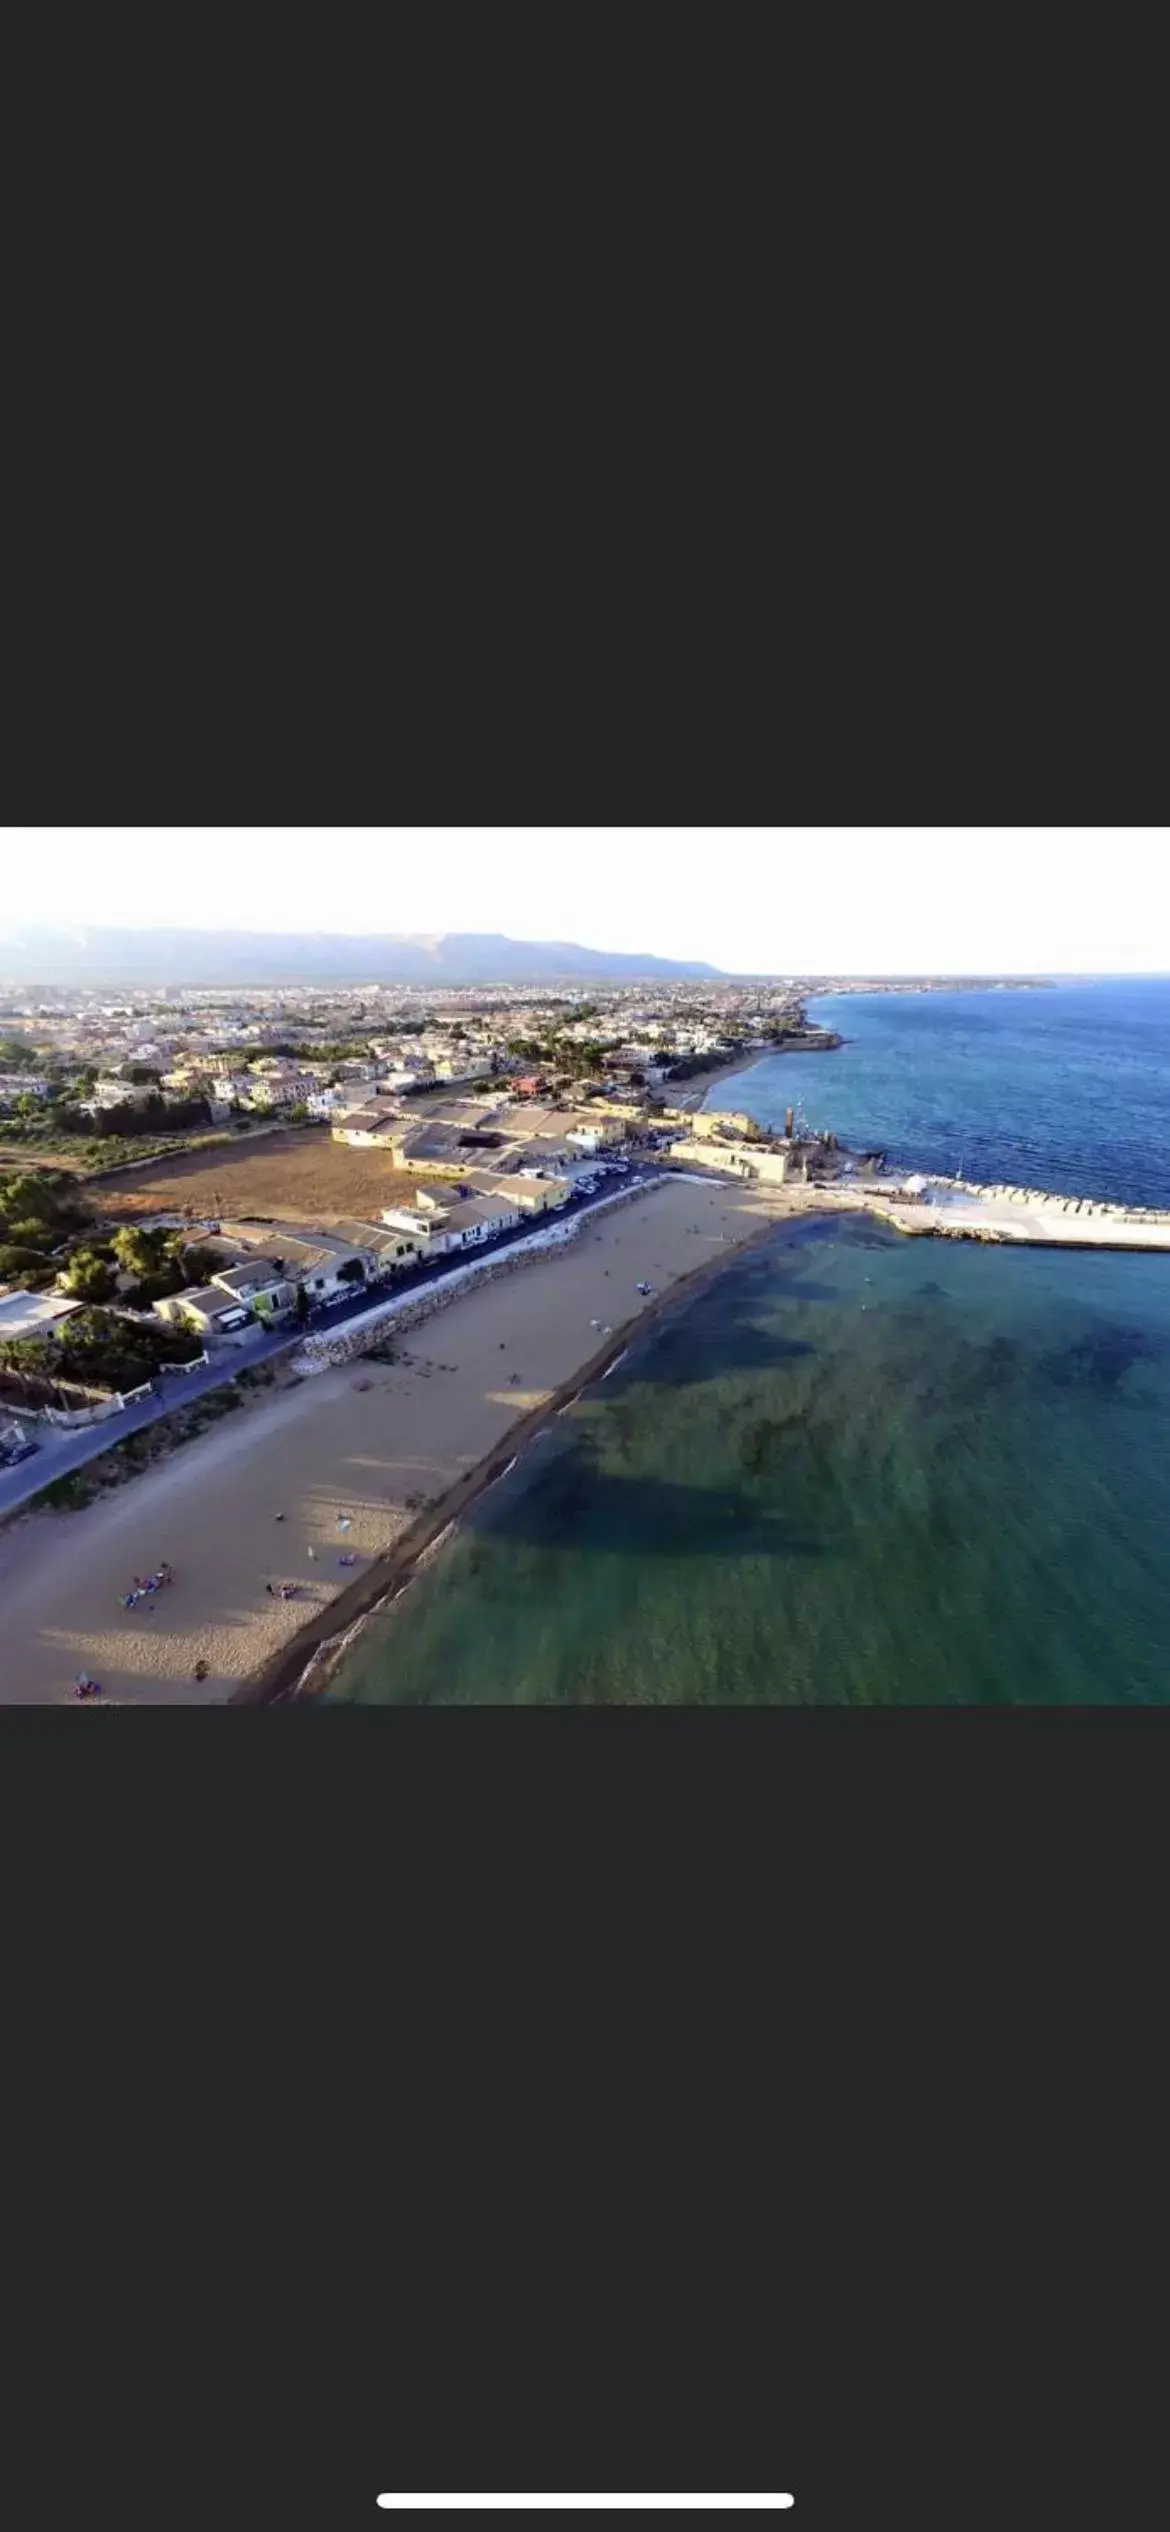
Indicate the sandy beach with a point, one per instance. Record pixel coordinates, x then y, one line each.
372 1445
687 1096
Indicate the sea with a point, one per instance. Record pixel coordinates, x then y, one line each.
855 1468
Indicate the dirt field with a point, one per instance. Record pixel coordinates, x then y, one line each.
301 1176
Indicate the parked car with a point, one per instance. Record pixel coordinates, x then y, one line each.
13 1452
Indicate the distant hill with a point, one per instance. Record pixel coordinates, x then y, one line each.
46 954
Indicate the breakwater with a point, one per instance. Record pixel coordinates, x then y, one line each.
955 1208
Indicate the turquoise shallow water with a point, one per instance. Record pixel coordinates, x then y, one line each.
855 1469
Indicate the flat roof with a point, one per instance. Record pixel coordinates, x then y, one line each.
204 1297
32 1313
474 1209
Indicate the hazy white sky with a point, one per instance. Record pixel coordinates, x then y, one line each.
785 898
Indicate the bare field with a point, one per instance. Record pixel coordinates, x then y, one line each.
295 1177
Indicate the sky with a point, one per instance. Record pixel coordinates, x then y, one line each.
788 900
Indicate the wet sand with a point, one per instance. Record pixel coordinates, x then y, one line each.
378 1445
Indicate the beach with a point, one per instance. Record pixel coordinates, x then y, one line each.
687 1096
372 1445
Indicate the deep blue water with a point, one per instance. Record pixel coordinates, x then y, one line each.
1067 1087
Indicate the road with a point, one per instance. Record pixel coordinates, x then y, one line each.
59 1454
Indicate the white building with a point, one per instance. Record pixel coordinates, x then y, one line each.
441 1230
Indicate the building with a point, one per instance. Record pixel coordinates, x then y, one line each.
769 1163
594 1137
259 1285
442 1230
323 1263
278 1085
368 1125
464 1066
389 1251
117 1094
525 1190
33 1313
428 1149
22 1085
214 1312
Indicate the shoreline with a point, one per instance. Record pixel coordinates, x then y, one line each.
690 1096
285 1678
363 1461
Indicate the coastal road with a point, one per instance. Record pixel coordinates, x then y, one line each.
60 1454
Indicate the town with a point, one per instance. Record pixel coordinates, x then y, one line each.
188 1178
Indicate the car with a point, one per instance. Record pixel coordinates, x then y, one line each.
14 1452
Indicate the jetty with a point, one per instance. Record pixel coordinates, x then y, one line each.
954 1208
818 1175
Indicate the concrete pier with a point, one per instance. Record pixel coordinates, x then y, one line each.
961 1211
951 1208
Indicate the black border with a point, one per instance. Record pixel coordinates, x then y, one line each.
493 2099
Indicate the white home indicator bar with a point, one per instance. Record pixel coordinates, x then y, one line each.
706 2504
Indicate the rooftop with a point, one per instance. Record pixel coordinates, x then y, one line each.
206 1298
33 1313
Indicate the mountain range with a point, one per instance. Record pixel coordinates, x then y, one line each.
96 954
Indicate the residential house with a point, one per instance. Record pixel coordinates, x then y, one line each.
444 1230
296 1253
422 1234
589 1139
33 1313
214 1311
280 1086
388 1251
116 1094
19 1085
261 1284
524 1189
463 1065
368 1125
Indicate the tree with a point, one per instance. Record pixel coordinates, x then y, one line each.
353 1272
90 1277
140 1251
30 1234
24 1266
198 1264
302 1305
